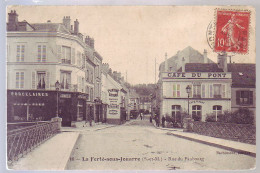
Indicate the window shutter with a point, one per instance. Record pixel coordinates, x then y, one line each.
238 97
210 91
47 82
73 55
174 90
251 97
33 80
203 91
59 53
223 91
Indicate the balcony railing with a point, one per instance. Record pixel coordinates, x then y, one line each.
66 61
23 140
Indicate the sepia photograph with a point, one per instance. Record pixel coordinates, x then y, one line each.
130 88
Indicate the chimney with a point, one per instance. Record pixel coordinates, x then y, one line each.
66 22
87 40
12 24
183 64
92 43
76 27
205 56
166 63
222 61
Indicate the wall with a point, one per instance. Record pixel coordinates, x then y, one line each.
238 132
30 64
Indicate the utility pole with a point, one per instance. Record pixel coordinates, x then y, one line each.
155 70
126 76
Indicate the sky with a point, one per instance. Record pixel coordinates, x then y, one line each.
129 38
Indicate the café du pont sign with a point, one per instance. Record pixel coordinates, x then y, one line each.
196 75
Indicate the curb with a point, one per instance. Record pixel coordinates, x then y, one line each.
67 156
239 151
65 167
105 127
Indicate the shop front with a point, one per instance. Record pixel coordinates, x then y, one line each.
41 105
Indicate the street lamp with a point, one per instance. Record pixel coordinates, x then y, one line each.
57 86
188 90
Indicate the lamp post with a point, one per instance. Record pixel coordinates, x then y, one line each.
57 86
188 90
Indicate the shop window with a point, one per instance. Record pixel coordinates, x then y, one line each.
19 80
196 112
66 55
20 50
41 76
217 110
41 57
176 90
80 110
65 80
244 97
176 113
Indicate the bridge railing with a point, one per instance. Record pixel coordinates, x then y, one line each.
23 140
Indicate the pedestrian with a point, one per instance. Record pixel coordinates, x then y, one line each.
151 119
141 116
163 121
157 121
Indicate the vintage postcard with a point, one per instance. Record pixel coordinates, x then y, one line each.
131 88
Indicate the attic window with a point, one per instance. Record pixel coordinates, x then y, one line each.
240 74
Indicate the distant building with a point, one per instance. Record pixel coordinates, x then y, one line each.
114 96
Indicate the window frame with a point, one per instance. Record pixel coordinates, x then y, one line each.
19 79
176 90
196 112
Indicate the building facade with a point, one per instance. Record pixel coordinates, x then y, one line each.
114 96
243 89
210 94
42 55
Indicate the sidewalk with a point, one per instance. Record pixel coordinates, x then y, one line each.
55 152
239 147
51 155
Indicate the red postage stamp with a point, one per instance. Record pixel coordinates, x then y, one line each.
232 31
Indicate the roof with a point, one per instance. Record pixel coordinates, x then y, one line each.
243 75
201 67
50 27
193 55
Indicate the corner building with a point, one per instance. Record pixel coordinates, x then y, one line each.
38 56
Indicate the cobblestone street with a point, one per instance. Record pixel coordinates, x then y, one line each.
138 145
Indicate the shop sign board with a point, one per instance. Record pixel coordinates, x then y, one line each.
114 103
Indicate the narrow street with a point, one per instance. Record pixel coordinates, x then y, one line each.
138 145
